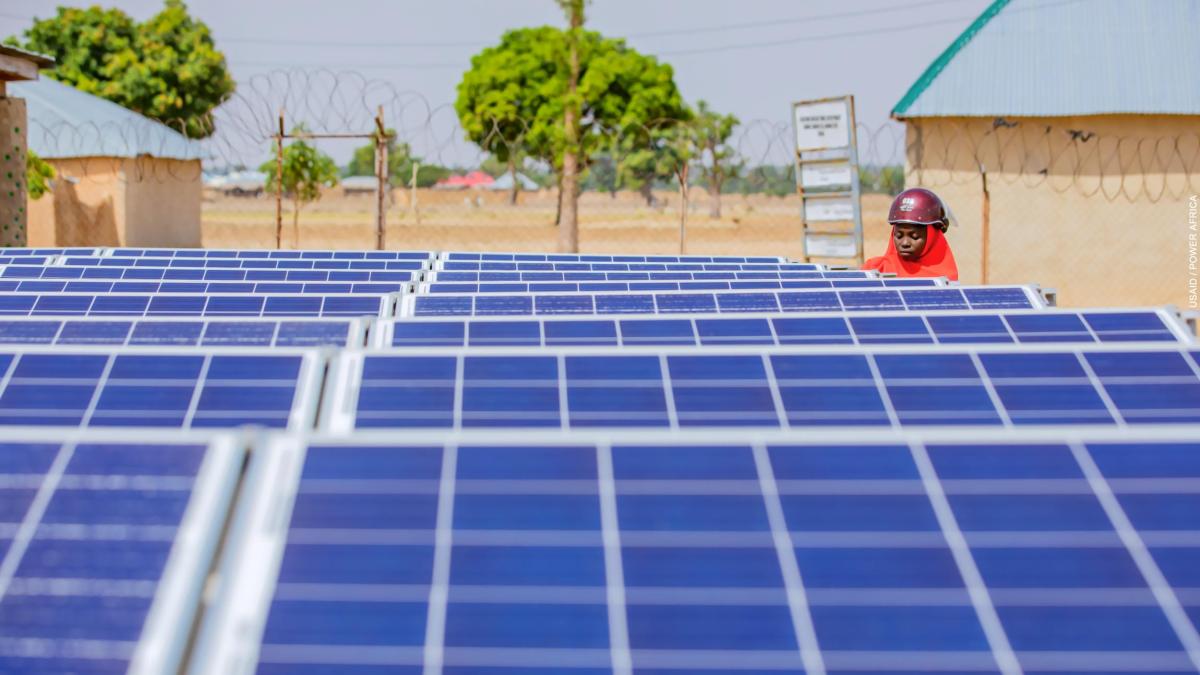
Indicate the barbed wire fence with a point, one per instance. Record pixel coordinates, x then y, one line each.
631 193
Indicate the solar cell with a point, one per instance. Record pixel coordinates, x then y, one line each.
810 329
13 252
526 266
268 253
586 257
17 272
179 332
108 543
771 387
247 263
632 286
483 276
934 552
697 302
271 305
80 387
203 287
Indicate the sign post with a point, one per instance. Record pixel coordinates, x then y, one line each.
827 178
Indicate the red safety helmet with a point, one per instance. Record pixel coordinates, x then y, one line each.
918 206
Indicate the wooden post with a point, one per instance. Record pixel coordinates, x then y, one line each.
683 208
985 226
381 174
279 184
413 187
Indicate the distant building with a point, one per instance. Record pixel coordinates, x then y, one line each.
472 180
123 179
1082 117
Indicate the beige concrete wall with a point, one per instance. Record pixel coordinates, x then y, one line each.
1093 206
107 201
162 202
13 215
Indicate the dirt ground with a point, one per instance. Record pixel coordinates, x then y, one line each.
483 221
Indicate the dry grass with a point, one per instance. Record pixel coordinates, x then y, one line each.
470 221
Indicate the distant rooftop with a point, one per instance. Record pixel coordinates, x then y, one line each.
1064 58
65 122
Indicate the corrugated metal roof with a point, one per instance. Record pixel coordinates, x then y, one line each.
1066 57
65 122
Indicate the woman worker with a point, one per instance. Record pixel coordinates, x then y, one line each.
918 246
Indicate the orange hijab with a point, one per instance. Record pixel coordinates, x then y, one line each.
936 261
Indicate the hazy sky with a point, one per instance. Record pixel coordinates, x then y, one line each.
748 57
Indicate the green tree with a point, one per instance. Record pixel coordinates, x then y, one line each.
306 171
38 173
719 161
166 68
514 98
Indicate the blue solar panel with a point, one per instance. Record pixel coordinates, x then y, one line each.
718 554
476 266
16 272
633 286
194 305
94 579
157 389
771 387
44 252
946 298
477 276
202 287
576 257
166 332
891 328
247 263
272 254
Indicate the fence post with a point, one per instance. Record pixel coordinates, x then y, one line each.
683 208
381 175
413 186
279 184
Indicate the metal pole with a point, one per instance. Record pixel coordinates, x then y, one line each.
381 174
279 184
985 226
416 211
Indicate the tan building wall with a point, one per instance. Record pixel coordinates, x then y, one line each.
1095 206
109 201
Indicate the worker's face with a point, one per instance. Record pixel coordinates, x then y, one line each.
910 240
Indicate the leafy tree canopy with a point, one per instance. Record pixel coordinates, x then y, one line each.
166 68
305 171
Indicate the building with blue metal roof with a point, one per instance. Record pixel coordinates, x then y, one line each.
1065 135
122 179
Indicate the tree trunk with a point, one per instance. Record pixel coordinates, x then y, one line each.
559 202
516 187
296 223
647 191
568 229
714 196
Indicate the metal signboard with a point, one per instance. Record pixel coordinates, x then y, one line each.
827 177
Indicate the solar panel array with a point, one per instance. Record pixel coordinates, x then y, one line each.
535 463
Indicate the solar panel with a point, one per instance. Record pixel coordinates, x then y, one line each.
478 276
1046 552
45 252
576 257
633 286
248 263
1027 327
203 274
281 305
108 541
183 332
203 287
529 266
269 253
82 387
770 387
690 302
